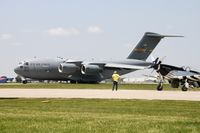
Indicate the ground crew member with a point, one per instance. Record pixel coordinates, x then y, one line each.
115 79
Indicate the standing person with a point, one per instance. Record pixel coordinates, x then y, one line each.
115 79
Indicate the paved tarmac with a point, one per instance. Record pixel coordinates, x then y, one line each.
100 94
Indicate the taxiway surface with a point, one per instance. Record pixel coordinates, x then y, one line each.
100 94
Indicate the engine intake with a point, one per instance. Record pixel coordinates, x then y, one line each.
68 68
90 69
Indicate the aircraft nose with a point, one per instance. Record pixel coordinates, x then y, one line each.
18 69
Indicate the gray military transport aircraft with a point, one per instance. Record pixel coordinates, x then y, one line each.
86 71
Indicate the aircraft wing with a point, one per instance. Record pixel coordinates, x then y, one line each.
124 66
183 74
77 62
70 66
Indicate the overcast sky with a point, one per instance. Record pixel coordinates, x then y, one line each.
100 29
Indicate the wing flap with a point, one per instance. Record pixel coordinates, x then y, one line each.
77 62
124 66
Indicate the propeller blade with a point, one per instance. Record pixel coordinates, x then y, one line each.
152 71
163 58
152 58
156 61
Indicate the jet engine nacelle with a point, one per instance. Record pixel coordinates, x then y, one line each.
68 68
90 69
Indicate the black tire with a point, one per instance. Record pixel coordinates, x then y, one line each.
160 87
195 84
72 81
24 81
184 88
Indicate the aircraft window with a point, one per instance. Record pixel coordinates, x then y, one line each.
26 63
183 67
187 69
20 63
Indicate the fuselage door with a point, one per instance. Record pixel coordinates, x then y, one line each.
26 66
46 67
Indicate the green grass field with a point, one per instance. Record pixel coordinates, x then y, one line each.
89 86
98 116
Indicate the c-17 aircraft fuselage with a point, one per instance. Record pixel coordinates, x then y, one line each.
52 69
89 71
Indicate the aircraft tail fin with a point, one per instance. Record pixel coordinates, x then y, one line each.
146 45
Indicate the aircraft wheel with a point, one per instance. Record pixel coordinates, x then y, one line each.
24 81
195 84
160 87
184 88
72 81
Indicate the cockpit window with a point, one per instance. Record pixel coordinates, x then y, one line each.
26 63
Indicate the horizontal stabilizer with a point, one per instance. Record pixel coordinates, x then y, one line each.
150 34
172 36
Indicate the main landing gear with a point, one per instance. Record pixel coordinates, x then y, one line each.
185 86
24 81
160 86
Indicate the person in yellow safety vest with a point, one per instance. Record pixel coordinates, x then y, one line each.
115 79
